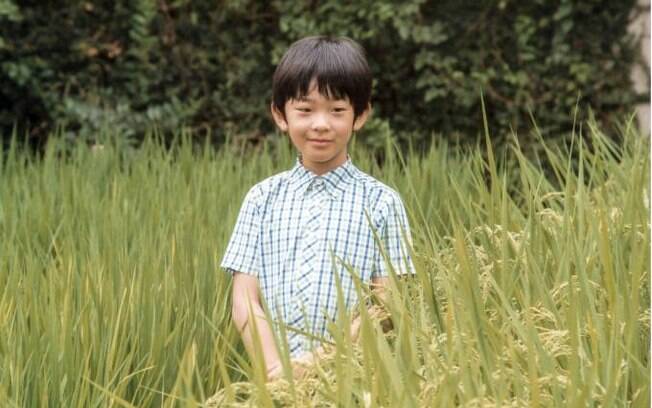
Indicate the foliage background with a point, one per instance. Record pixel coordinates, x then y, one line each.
208 65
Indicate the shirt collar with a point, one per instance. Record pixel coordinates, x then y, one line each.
336 181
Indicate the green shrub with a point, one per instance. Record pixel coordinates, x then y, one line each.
131 65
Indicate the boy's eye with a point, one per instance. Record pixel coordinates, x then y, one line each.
303 109
339 109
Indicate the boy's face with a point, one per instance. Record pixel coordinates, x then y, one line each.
320 128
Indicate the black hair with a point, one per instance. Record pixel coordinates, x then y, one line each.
338 65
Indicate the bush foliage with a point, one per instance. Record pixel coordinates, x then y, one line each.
208 65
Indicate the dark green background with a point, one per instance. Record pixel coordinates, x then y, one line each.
131 65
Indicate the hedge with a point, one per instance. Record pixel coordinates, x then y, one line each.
207 65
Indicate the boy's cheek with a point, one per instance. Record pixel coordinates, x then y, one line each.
298 123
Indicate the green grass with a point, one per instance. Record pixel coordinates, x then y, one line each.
530 290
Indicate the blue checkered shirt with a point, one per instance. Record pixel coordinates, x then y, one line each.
294 225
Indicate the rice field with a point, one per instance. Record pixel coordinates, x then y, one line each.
531 290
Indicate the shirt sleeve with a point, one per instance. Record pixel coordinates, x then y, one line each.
241 253
396 239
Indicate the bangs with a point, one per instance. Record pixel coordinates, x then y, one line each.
337 67
331 80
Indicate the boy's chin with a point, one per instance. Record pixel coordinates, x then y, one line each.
321 158
317 158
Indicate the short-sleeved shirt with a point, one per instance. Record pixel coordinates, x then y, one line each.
296 231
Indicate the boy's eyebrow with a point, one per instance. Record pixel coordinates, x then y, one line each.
309 99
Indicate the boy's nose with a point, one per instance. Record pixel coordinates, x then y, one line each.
320 123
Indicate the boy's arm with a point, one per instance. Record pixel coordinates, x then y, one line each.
379 288
396 239
242 255
246 293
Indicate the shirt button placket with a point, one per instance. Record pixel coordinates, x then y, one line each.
309 249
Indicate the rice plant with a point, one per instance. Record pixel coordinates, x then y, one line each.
532 287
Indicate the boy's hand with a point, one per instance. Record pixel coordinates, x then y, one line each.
376 312
302 364
379 287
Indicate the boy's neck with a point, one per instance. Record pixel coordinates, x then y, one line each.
322 168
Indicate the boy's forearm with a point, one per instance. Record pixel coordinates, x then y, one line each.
265 335
249 318
379 288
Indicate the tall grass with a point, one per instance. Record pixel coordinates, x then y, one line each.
530 290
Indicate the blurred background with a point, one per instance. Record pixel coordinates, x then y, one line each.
74 68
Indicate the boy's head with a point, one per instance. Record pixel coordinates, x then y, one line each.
337 65
320 95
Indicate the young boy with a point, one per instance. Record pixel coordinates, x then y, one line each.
294 224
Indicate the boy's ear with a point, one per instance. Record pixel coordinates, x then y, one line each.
360 120
279 118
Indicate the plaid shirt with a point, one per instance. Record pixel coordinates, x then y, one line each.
291 223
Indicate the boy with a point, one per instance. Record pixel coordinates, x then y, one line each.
293 225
